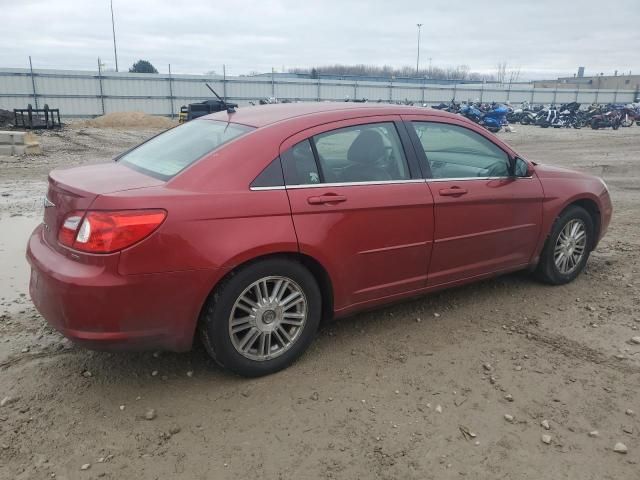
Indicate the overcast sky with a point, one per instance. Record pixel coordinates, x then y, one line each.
544 38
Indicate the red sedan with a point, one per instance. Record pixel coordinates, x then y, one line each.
251 227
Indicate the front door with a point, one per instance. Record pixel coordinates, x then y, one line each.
486 219
360 207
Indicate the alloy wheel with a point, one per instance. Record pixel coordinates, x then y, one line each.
268 318
570 246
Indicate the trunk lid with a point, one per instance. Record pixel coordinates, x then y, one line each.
75 189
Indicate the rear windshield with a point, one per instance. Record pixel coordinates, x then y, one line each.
172 151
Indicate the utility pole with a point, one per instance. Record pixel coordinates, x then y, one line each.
100 84
113 28
419 25
171 92
33 83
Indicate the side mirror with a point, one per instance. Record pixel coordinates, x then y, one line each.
522 168
530 170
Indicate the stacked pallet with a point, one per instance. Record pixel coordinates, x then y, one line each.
19 143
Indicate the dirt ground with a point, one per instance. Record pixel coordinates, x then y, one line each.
453 385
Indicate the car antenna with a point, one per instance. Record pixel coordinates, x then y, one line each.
228 108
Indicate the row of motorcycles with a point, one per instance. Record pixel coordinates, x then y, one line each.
570 115
495 116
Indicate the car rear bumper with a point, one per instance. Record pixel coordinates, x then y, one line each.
98 308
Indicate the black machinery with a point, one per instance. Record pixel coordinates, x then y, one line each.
33 118
195 110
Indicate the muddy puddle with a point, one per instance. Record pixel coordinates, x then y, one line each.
14 233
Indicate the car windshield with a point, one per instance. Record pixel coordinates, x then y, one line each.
171 152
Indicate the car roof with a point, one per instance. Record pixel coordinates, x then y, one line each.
262 115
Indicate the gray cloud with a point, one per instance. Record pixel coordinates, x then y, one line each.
542 37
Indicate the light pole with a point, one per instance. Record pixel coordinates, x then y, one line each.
113 28
419 25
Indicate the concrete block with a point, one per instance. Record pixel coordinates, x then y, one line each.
19 143
12 138
9 150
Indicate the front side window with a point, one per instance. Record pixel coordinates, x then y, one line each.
362 153
457 152
171 152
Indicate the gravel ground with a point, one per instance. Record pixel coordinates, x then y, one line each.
506 378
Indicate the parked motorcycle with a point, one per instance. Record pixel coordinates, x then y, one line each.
628 116
492 117
528 117
515 115
471 112
592 110
495 119
568 116
547 117
612 119
452 107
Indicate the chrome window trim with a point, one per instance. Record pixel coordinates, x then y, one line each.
461 179
379 182
276 187
355 184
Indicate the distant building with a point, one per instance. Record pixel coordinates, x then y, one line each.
607 82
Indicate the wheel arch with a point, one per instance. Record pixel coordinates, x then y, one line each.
316 269
591 206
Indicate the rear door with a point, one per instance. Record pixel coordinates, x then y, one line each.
486 219
360 206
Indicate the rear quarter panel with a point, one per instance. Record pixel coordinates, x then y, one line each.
214 220
206 230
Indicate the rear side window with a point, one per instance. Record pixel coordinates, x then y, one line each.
271 176
457 152
171 152
299 165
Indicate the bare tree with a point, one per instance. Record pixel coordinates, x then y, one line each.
461 72
514 75
501 72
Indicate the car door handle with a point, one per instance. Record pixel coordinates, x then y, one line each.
453 191
327 198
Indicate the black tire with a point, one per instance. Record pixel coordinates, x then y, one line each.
214 322
595 125
547 271
525 120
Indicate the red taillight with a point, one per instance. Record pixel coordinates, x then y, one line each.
106 232
67 233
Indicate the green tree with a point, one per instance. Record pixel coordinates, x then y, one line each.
143 66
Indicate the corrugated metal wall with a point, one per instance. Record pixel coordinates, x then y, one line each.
86 93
